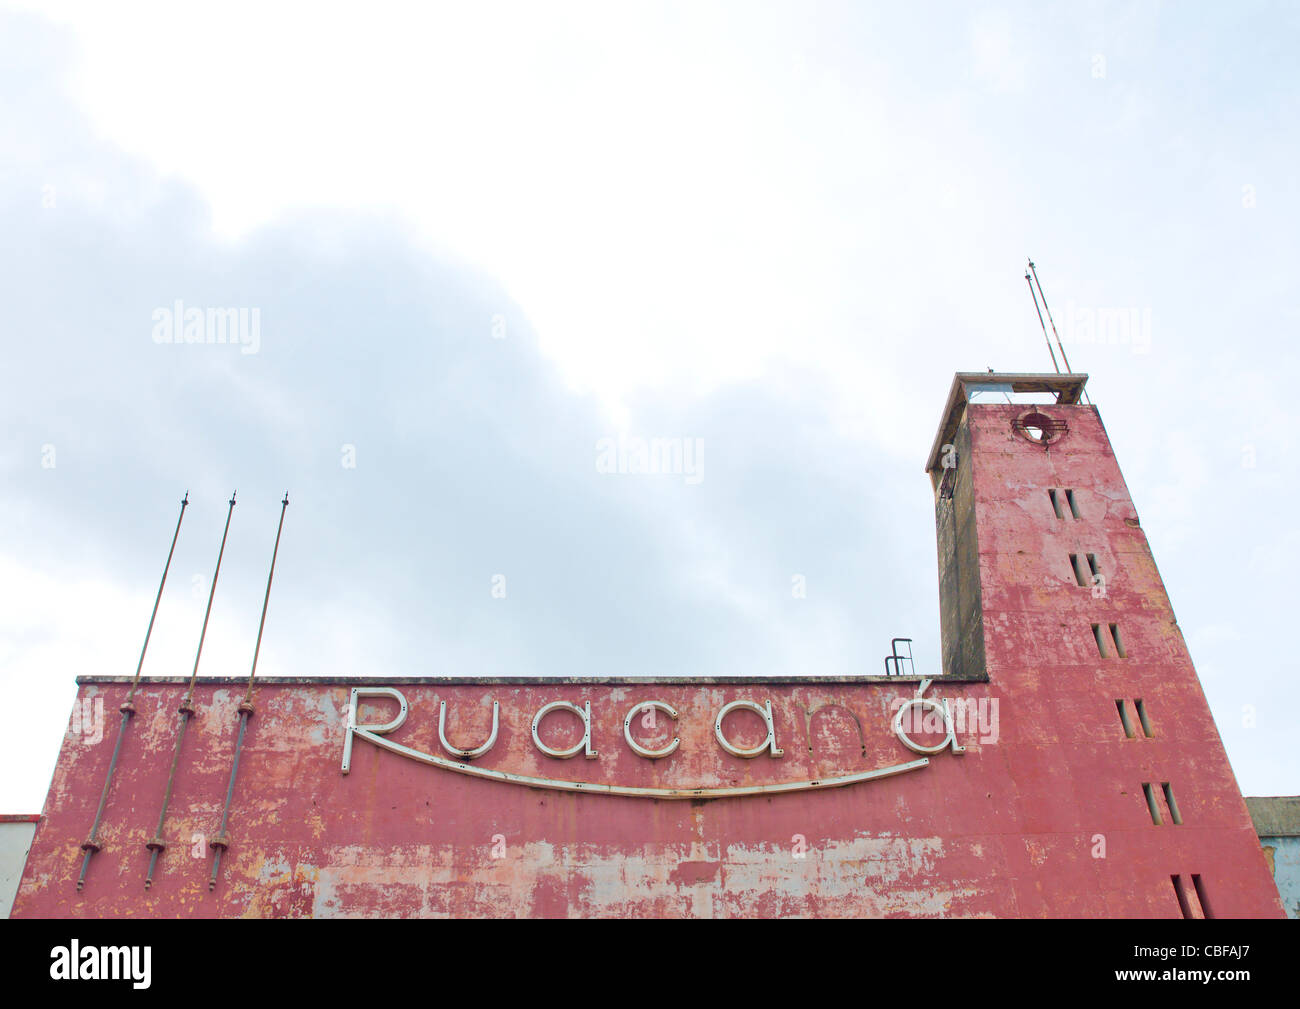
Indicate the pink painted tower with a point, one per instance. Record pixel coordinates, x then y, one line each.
1122 788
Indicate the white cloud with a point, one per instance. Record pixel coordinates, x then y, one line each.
678 198
997 62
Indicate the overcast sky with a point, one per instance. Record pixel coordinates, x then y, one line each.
478 239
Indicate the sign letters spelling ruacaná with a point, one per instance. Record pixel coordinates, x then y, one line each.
935 715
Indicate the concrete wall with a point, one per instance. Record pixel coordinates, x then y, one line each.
1277 821
1283 854
16 832
957 536
1007 828
1062 693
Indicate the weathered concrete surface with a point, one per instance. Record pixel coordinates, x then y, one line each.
1277 822
1043 815
1060 694
1283 857
1275 815
16 831
398 837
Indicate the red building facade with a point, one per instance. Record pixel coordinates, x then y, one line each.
1065 764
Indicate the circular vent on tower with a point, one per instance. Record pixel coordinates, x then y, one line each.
1036 426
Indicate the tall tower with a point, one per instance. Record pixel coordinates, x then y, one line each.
1049 589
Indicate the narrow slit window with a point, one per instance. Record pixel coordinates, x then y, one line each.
1074 508
1124 720
1101 642
1142 717
1056 503
1078 570
1169 800
1119 644
1181 893
1200 895
1093 566
1152 808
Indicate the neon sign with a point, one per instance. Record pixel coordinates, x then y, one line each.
460 761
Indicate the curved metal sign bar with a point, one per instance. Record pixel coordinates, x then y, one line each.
630 790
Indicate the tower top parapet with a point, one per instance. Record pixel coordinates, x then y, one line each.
1066 388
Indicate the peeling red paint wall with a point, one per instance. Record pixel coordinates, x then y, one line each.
398 837
1010 827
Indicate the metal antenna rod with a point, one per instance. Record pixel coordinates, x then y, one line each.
222 841
157 844
1064 358
1059 345
91 844
1047 338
